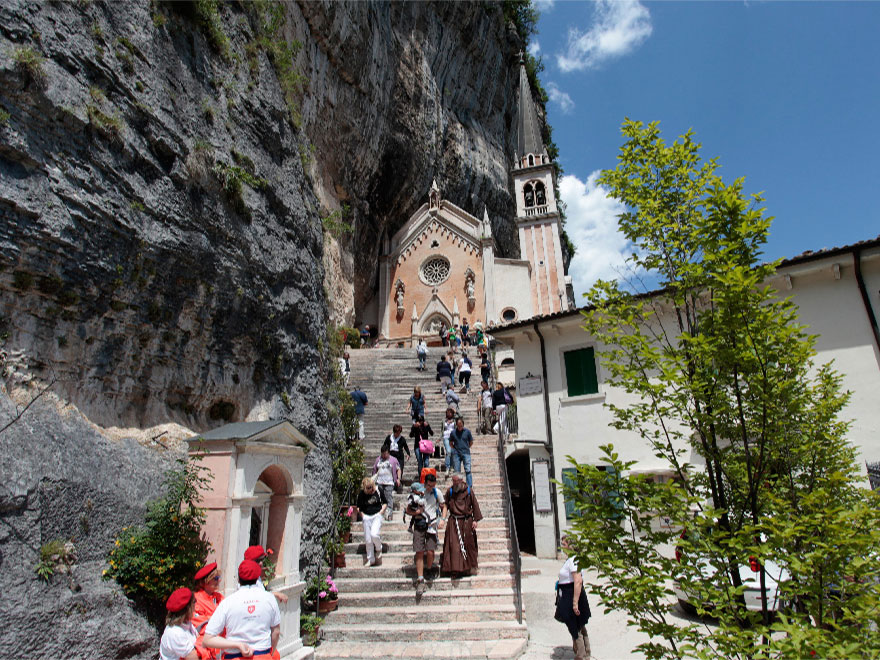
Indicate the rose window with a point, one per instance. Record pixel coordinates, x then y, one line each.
435 270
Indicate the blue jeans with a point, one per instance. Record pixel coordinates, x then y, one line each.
422 358
459 457
448 453
422 460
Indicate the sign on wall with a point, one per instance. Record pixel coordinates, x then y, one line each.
541 477
530 385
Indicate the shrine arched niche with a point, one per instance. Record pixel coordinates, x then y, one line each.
269 509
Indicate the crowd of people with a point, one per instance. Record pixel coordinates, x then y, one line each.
454 508
201 624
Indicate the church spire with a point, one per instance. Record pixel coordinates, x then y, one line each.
528 139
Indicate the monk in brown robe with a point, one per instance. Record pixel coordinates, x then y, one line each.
460 540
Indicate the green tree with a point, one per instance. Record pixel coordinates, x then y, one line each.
150 561
721 371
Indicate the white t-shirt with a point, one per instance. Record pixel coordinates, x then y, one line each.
432 504
383 473
448 427
463 366
248 616
486 398
569 568
177 642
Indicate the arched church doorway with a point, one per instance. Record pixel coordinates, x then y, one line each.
520 481
269 509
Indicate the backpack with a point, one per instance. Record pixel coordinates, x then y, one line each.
507 397
468 361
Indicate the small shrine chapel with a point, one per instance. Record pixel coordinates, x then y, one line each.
440 268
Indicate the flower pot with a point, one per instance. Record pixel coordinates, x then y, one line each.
310 638
339 560
326 605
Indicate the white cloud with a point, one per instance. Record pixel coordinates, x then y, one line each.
619 26
534 48
559 97
591 225
544 5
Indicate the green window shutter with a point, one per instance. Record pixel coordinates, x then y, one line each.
580 372
568 480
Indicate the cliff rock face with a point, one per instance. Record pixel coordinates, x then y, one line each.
164 177
413 91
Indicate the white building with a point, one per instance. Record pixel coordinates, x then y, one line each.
837 292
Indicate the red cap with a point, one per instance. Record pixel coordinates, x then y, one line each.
254 553
249 570
206 570
178 600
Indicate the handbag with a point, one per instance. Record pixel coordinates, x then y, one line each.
426 446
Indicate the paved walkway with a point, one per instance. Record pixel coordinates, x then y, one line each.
610 637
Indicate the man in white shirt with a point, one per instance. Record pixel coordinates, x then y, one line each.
425 540
250 616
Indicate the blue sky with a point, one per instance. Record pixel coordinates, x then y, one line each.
786 94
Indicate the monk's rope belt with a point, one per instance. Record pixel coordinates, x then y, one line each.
460 537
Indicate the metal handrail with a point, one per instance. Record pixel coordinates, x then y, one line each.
514 539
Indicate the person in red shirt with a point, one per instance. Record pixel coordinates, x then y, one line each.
207 579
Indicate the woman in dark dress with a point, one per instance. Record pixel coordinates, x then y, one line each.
421 430
572 608
460 541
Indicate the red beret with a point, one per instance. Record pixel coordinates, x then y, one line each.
205 571
254 553
249 570
178 600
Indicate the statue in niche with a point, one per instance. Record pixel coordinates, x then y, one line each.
398 296
435 326
469 279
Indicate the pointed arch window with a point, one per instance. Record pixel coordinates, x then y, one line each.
540 194
529 195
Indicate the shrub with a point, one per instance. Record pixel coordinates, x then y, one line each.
29 63
4 115
208 14
110 126
150 560
308 628
335 223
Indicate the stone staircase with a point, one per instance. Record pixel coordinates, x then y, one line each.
379 614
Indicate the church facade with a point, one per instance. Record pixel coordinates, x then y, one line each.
441 268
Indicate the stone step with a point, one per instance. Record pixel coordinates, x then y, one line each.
403 585
495 649
432 596
382 570
404 559
489 544
437 631
425 615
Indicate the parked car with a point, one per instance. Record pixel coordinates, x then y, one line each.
749 573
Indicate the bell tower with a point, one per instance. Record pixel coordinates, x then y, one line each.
537 216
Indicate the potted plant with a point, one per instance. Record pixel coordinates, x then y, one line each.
343 523
336 549
322 589
310 628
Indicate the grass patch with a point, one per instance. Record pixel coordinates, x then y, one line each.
4 116
208 14
108 125
231 178
137 206
29 63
